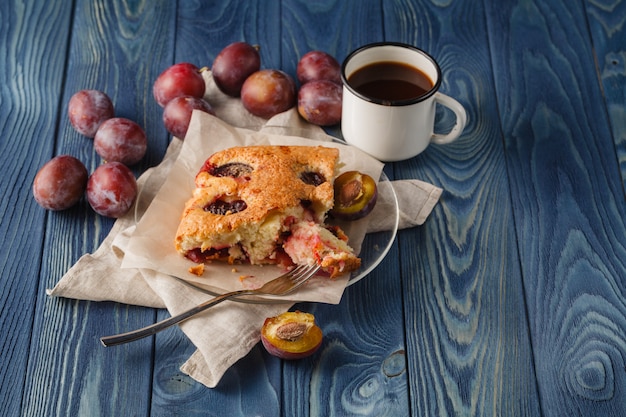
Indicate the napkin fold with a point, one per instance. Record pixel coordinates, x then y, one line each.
226 332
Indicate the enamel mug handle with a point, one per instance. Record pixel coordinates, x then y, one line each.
461 119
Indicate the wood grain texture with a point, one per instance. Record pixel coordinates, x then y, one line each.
323 25
360 369
33 41
608 32
568 204
69 372
174 391
509 301
203 30
334 26
468 347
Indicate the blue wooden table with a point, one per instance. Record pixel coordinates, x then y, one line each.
509 301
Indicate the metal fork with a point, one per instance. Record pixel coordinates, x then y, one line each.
282 285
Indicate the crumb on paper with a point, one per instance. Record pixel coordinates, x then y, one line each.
197 269
234 270
242 278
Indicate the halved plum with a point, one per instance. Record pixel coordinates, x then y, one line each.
355 195
291 335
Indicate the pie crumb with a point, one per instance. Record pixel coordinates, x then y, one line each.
197 269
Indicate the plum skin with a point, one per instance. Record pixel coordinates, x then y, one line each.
318 65
268 92
120 139
111 189
182 79
300 344
319 102
88 109
60 183
356 194
233 65
177 114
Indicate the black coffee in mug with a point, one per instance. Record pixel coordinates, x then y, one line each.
390 81
401 122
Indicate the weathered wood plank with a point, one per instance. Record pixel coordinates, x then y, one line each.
568 203
534 210
361 368
468 345
323 25
251 386
608 31
247 388
119 48
33 39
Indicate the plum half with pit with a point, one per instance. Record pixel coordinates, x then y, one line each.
355 195
291 335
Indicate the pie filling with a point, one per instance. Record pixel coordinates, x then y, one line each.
299 241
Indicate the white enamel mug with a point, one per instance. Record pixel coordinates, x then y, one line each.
395 130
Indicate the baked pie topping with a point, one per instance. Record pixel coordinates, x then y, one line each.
249 201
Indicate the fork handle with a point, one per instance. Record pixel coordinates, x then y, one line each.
164 324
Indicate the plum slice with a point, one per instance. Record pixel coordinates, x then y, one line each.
223 207
355 195
291 335
312 178
231 169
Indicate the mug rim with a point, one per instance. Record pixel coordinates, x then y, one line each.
423 97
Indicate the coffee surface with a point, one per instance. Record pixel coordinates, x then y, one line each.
390 81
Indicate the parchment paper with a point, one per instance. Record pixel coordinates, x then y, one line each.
151 246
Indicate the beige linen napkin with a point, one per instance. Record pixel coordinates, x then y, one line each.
99 276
